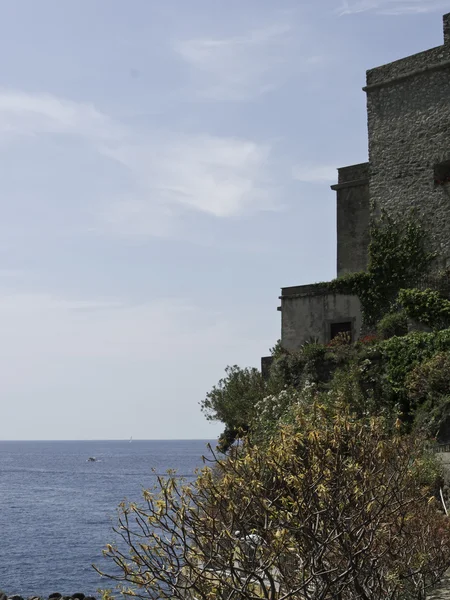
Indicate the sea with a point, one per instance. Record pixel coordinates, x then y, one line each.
57 509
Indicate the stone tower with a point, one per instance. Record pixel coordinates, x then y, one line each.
408 113
408 108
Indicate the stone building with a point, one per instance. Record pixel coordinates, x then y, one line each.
408 108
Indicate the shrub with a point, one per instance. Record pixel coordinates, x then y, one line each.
368 339
332 508
392 324
432 418
401 355
317 367
428 388
293 368
341 339
312 352
427 307
233 401
430 378
271 410
287 370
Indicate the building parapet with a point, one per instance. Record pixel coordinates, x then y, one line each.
430 60
353 173
352 176
439 66
312 289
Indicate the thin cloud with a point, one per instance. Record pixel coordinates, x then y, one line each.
236 68
219 176
168 175
33 114
391 7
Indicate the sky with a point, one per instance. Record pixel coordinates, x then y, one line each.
165 168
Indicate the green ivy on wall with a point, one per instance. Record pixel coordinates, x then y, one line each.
398 257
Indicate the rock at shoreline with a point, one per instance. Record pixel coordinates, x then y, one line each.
54 596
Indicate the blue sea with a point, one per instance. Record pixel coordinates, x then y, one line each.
57 509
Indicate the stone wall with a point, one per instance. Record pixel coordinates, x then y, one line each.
408 105
308 311
352 218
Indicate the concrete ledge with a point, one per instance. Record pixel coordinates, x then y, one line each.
312 289
348 184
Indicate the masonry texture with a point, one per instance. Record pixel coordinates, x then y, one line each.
352 218
408 109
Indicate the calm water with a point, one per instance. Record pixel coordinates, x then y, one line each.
57 509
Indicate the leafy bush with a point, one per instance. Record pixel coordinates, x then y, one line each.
432 418
429 378
343 338
287 370
428 388
313 352
333 507
392 324
368 339
294 368
272 410
427 307
233 401
318 363
401 355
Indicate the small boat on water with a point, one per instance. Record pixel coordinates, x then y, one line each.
91 459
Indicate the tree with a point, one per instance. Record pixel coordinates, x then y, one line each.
334 507
233 401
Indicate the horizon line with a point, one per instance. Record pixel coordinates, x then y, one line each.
117 440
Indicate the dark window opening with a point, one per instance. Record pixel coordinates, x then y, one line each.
266 363
337 328
442 173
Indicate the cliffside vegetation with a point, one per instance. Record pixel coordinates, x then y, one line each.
405 326
329 488
331 506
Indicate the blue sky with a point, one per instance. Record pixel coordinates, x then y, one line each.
164 170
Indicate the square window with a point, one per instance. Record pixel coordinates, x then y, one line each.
442 173
337 328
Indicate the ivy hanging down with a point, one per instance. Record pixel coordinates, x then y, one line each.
398 257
